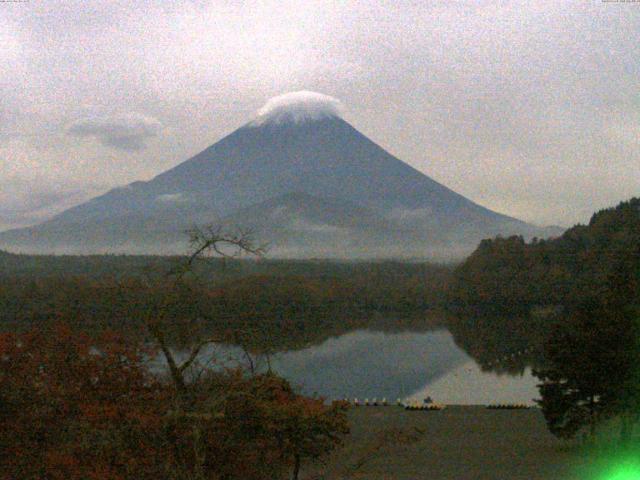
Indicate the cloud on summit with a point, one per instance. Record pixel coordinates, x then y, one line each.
299 107
127 132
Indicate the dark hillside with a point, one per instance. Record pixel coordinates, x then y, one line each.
508 295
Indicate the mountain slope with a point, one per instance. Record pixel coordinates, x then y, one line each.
320 156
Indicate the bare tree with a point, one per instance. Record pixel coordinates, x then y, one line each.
216 240
203 241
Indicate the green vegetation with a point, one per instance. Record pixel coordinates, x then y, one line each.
507 276
509 295
592 361
571 303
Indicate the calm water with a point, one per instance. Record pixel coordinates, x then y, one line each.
367 364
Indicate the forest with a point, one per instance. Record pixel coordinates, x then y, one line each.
508 295
573 304
282 304
77 400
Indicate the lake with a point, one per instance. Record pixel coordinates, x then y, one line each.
366 364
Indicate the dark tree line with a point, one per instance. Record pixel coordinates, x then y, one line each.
511 276
574 303
592 359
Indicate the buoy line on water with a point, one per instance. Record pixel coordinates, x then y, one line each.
412 405
509 406
415 405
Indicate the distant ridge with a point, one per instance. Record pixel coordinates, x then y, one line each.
302 177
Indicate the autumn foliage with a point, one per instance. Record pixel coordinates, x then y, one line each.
74 407
254 428
79 407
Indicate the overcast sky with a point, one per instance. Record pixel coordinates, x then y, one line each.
529 108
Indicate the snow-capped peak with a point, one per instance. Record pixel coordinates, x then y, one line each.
298 107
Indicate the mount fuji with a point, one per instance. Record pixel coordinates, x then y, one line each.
302 178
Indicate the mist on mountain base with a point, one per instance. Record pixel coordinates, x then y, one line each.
302 179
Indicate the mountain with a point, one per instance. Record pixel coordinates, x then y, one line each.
302 177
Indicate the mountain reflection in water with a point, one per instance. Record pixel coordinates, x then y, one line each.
367 364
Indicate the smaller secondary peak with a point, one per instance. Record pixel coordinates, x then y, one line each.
297 107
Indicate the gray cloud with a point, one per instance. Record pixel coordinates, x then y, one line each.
410 216
304 225
127 132
175 198
42 202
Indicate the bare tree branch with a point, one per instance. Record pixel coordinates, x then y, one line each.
203 240
195 352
